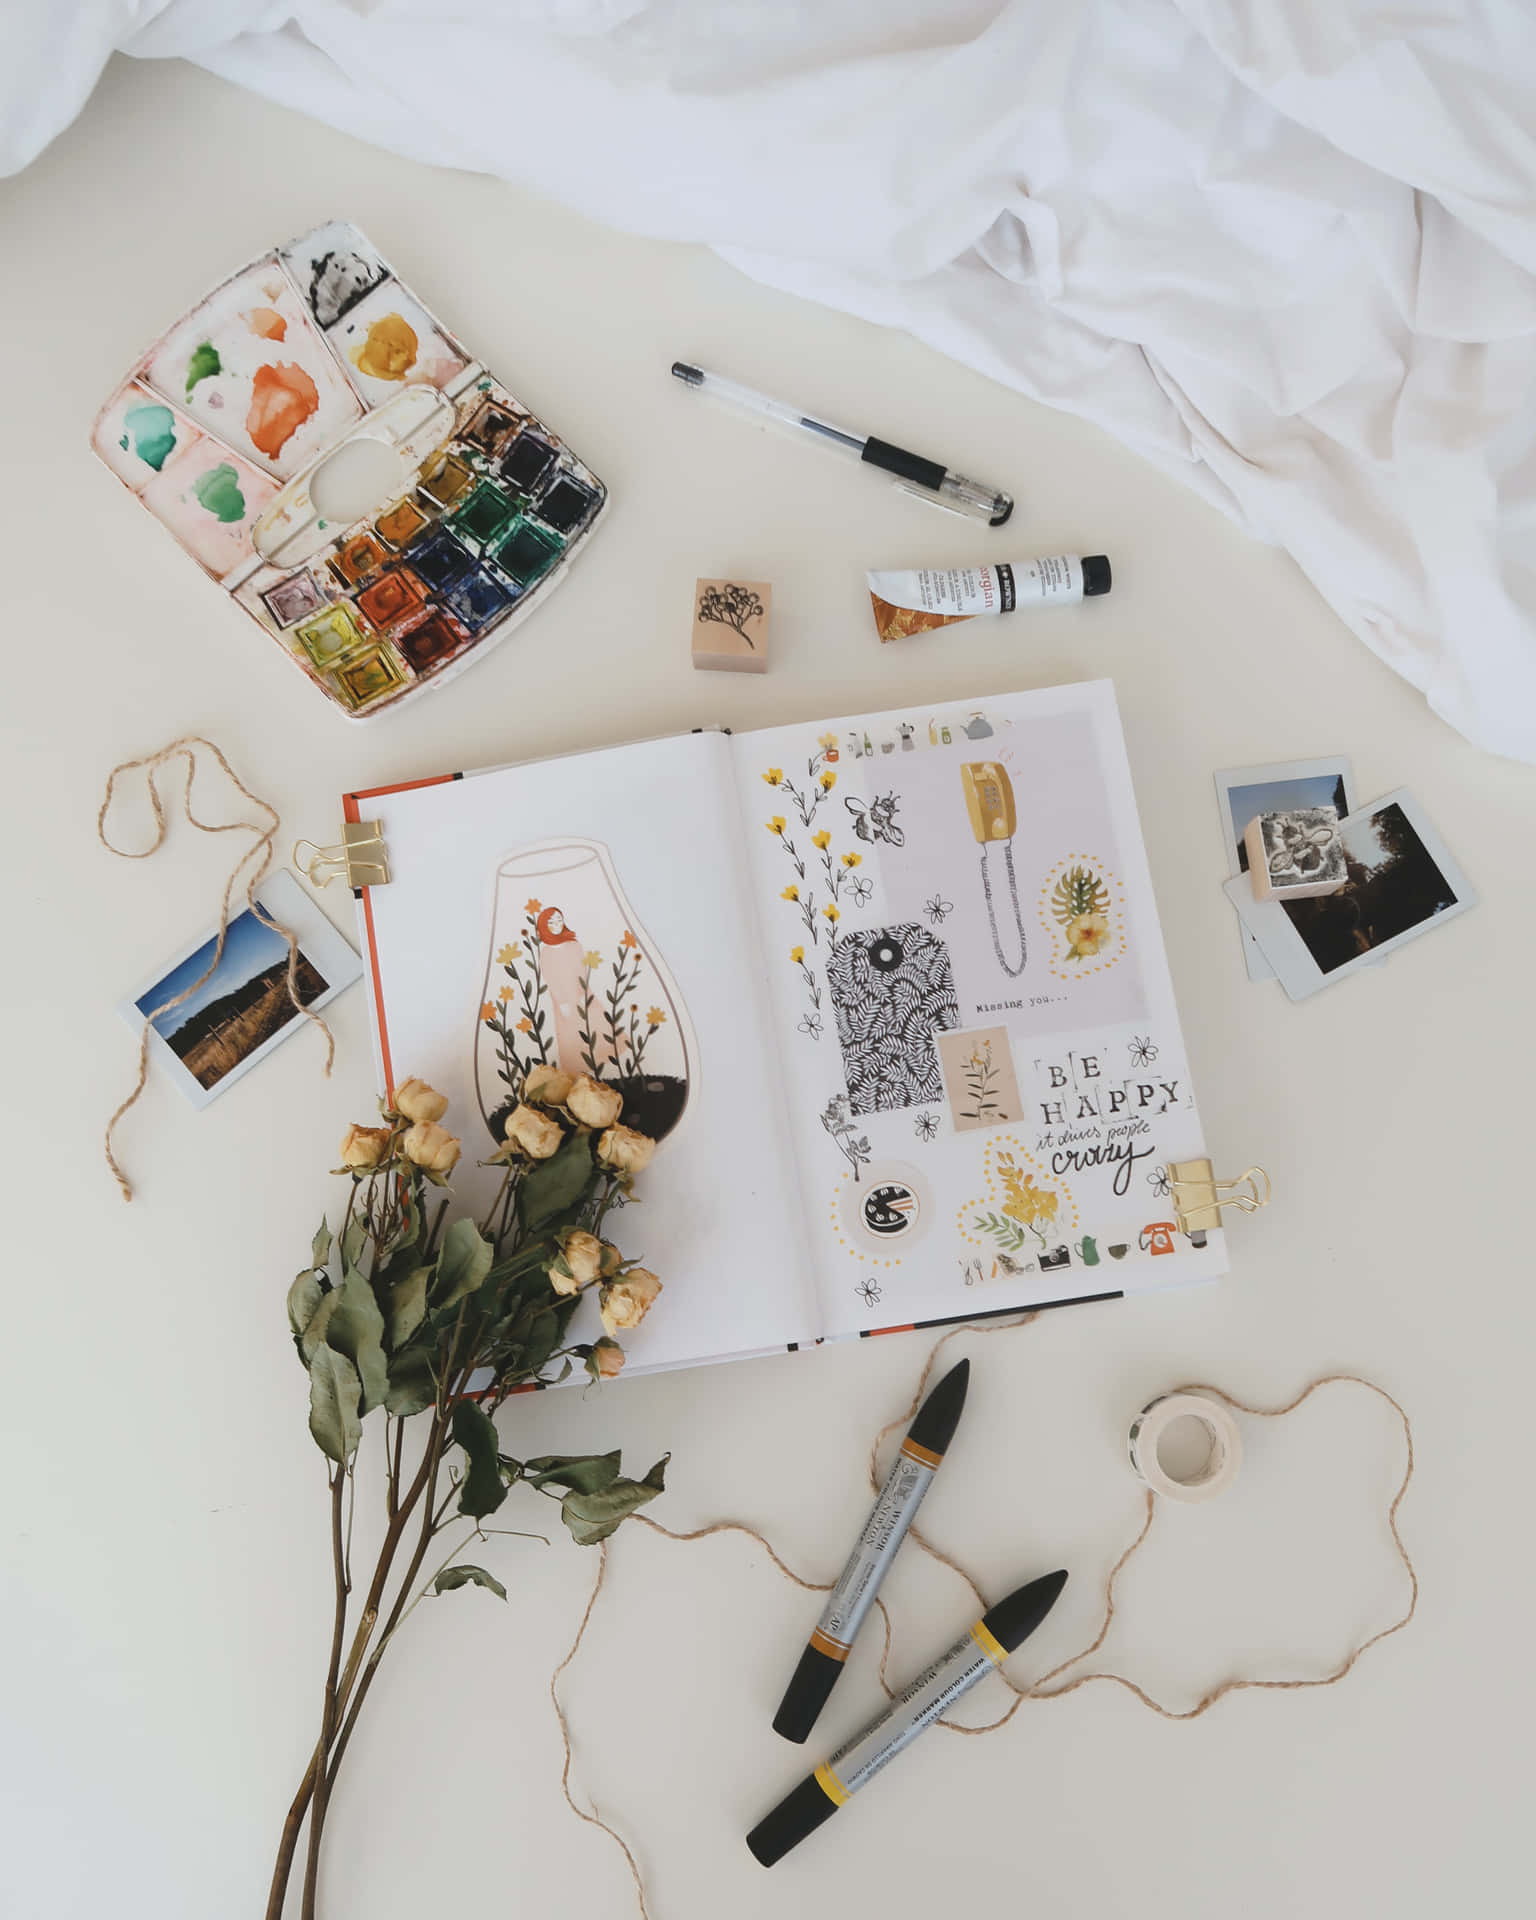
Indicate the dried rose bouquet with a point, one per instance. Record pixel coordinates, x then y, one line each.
433 1324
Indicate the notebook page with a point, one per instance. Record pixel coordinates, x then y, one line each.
985 1069
599 900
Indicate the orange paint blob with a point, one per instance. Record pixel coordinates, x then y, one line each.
267 323
282 399
389 352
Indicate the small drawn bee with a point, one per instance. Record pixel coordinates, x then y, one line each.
1143 1053
878 821
939 909
869 1292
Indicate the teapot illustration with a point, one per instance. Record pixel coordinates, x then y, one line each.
1087 1251
1157 1237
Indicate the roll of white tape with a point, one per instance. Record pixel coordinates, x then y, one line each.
1221 1465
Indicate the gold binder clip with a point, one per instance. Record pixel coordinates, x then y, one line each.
362 858
1198 1196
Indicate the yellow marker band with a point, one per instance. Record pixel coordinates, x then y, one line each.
993 1649
924 1455
824 1643
830 1785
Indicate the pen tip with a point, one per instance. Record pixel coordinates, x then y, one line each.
936 1419
693 376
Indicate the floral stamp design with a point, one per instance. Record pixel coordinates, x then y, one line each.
1082 909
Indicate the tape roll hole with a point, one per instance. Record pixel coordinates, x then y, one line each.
1190 1451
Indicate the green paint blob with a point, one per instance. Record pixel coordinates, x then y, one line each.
154 433
205 362
219 491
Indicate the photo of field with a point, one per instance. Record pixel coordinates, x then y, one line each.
241 1006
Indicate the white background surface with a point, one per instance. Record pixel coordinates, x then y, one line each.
165 1591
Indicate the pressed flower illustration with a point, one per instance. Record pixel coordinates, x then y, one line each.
838 1121
774 775
1079 903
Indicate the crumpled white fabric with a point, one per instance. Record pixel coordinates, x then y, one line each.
1284 248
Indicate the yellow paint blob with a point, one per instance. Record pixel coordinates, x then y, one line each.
389 352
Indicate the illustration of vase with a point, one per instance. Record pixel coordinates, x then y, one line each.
573 979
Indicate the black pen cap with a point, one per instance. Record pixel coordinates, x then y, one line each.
1096 574
934 1425
805 1696
797 1814
1015 1618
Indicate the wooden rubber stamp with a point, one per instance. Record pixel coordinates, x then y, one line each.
730 625
1297 855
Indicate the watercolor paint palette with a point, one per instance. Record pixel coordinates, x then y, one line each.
226 430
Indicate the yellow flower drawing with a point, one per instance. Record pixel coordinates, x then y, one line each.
832 914
506 958
525 1025
853 859
791 892
828 781
505 995
1087 934
797 954
533 906
488 1011
776 824
592 959
774 775
1026 1202
654 1016
629 940
822 839
826 741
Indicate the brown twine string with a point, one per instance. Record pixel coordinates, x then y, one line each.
263 845
1039 1689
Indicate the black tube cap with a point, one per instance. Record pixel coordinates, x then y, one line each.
809 1687
1096 574
1015 1618
797 1814
934 1424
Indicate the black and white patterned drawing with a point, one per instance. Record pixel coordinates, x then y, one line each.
878 820
891 990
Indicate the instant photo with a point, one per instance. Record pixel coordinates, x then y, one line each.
243 1009
1402 882
1243 793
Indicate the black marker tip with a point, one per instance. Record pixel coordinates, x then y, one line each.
1015 1617
694 376
934 1424
799 1813
1098 576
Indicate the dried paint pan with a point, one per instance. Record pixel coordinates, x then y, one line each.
313 375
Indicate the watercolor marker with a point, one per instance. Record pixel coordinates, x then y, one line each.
976 1654
925 479
922 1453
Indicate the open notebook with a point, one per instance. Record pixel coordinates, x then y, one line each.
890 990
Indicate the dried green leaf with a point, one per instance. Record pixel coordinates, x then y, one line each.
313 1336
555 1185
467 1576
462 1265
407 1306
304 1298
593 1516
334 1395
353 1241
581 1472
356 1328
542 1338
411 1386
483 1490
320 1246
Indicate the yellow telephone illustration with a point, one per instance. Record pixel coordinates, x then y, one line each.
994 817
989 800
